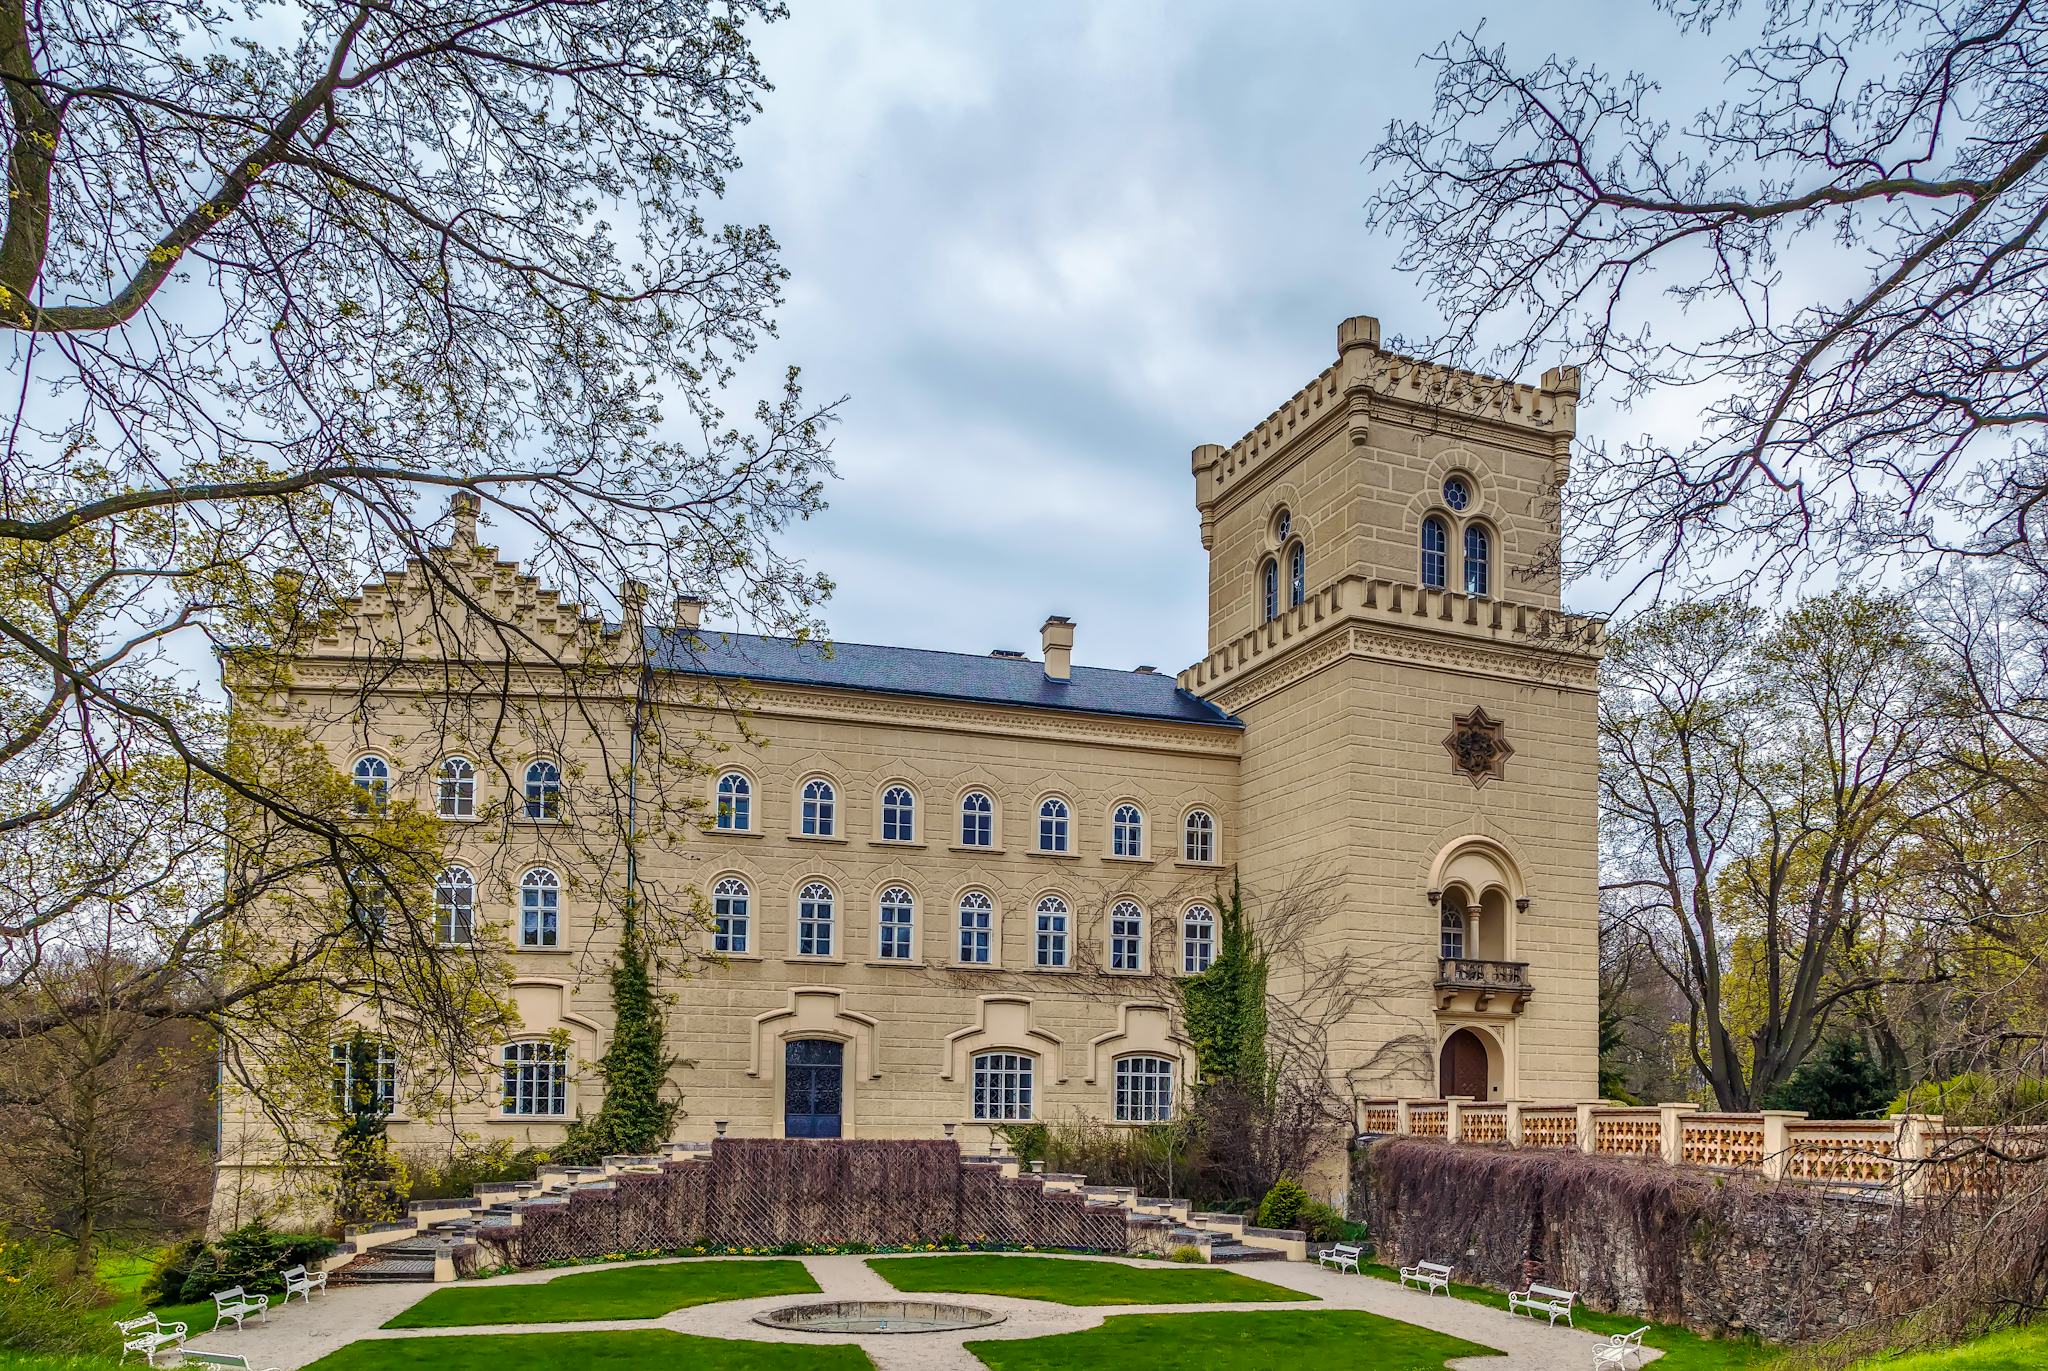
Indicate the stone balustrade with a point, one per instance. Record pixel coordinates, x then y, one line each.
1916 1153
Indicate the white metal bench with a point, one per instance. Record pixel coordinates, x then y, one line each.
1341 1256
1623 1350
235 1361
1544 1299
148 1335
302 1282
1433 1277
237 1304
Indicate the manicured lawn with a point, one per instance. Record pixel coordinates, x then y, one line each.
44 1361
1061 1281
2016 1349
629 1351
1266 1338
1684 1350
625 1292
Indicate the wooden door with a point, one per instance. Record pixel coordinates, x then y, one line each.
1462 1068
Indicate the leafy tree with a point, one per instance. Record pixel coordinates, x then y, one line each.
638 1108
1840 1081
286 283
1756 777
369 1178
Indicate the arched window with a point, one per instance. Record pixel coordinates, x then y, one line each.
455 905
543 791
1052 931
380 1083
899 815
1052 825
1453 933
372 777
735 803
1478 559
1126 937
1144 1090
977 820
814 906
977 922
819 819
1269 590
731 930
540 908
455 789
1197 939
367 904
1127 832
898 911
1002 1086
536 1078
1297 575
1198 837
1436 543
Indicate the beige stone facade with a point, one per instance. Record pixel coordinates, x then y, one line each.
1423 756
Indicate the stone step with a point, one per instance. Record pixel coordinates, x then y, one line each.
1238 1252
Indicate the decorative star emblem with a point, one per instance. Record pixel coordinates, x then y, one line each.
1478 746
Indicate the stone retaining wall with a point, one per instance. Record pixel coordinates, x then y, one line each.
1720 1254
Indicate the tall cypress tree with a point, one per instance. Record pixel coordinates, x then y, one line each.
638 1109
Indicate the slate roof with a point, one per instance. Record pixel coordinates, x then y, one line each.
937 675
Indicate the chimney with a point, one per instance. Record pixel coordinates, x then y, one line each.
689 613
1147 670
464 505
1057 641
633 601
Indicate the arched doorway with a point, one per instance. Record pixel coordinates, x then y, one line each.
1461 1067
813 1087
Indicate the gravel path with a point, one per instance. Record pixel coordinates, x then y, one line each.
301 1335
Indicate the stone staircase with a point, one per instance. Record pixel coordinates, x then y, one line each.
438 1241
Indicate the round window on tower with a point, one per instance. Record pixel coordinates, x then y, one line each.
1457 492
1283 524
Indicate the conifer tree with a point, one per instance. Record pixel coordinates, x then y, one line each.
370 1181
638 1110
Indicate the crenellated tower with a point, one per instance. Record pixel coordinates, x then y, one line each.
1384 616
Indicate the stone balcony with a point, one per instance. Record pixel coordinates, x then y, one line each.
1483 986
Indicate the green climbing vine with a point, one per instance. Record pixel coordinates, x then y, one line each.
1225 1006
638 1108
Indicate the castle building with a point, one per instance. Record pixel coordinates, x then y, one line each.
949 891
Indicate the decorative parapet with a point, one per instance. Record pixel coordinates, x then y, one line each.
1914 1154
1386 617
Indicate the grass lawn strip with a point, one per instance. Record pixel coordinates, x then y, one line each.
1684 1350
1058 1280
626 1292
1290 1337
625 1351
2016 1349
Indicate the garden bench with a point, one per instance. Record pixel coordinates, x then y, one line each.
1431 1276
1544 1299
237 1304
1623 1350
235 1361
1341 1256
301 1282
148 1335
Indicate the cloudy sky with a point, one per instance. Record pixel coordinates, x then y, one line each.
1047 249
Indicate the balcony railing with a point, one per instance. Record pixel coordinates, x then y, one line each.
1456 975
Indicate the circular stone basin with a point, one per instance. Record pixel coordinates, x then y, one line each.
878 1316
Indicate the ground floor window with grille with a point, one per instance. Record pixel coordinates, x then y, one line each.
383 1081
536 1078
1002 1085
1144 1090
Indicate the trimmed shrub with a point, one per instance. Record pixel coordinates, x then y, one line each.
1283 1205
1185 1254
